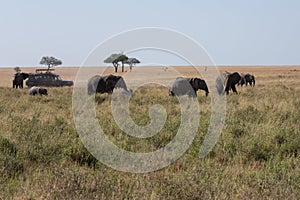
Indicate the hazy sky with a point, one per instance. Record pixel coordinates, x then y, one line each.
234 32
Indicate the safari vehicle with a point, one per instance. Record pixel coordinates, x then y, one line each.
46 79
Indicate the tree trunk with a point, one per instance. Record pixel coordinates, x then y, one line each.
116 66
122 67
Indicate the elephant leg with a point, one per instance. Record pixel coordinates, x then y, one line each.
227 88
234 89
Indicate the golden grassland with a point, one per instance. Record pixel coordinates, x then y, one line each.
256 157
69 73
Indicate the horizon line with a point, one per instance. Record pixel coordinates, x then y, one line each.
227 65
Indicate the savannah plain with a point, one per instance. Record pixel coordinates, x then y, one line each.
256 157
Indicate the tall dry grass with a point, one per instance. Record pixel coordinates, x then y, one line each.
257 155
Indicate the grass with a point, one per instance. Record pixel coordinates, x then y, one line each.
257 155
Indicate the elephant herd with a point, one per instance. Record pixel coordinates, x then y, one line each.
225 82
180 86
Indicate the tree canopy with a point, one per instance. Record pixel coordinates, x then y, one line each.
115 59
131 62
50 61
120 57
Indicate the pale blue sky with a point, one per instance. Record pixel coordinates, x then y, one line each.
234 32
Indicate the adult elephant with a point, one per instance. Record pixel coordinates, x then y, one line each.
18 79
227 81
187 86
106 84
249 78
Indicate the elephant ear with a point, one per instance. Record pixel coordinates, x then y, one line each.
192 82
196 83
202 84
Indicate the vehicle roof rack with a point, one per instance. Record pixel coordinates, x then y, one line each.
43 70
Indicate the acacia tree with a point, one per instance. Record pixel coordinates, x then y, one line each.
50 62
115 59
132 62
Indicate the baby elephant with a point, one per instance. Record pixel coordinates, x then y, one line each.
38 91
187 86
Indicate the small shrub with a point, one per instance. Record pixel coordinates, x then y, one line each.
260 152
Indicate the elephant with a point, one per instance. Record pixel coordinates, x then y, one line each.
38 91
106 84
247 78
18 80
227 81
189 86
